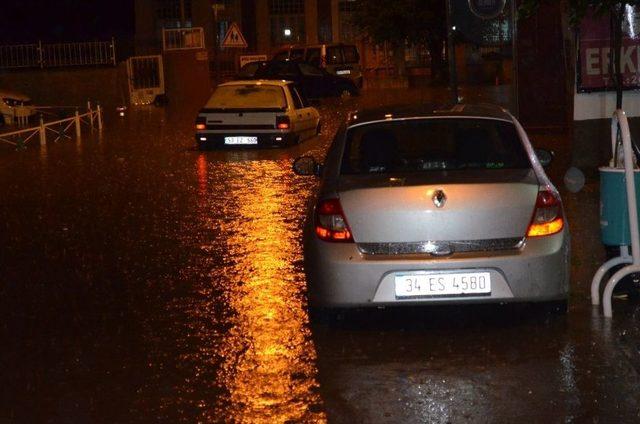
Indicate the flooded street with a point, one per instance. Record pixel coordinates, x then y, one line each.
144 281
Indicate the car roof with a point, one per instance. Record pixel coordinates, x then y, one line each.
279 83
484 111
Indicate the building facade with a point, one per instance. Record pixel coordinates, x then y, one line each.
265 24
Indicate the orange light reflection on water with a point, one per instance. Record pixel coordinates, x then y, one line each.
269 358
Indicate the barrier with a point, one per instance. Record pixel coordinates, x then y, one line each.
182 38
629 260
50 55
60 128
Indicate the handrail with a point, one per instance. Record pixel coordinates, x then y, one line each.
45 55
93 115
630 262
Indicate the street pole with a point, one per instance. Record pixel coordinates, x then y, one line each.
216 47
453 75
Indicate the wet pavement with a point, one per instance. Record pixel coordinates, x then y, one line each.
144 281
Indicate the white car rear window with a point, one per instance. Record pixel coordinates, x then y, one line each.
248 96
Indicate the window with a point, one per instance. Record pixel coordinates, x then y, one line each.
350 54
424 145
286 7
298 103
334 55
250 69
287 21
296 54
170 13
313 57
307 69
282 55
251 96
347 30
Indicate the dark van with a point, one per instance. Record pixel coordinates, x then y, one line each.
338 59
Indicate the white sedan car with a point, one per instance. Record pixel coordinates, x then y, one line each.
255 114
14 106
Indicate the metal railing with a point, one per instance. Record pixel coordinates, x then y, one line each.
182 38
60 128
40 55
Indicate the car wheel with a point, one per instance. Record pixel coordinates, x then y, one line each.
1 120
295 140
344 92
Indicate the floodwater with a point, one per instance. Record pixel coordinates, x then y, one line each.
144 281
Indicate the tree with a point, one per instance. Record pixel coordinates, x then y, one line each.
578 9
399 21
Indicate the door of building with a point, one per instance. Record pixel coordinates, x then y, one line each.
146 79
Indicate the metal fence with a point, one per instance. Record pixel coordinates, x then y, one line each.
182 38
60 129
40 55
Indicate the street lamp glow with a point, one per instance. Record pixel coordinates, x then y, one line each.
287 32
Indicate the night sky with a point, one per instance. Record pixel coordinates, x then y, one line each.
65 20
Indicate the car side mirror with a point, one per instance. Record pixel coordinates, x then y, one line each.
544 156
306 165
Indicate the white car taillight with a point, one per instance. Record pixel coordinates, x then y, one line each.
331 224
547 215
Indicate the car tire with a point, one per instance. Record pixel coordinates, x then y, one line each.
343 92
294 140
2 120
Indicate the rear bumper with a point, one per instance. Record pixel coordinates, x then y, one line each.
339 276
211 140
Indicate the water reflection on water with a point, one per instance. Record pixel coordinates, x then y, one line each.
268 356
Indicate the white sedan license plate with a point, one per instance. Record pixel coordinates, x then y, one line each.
241 140
443 284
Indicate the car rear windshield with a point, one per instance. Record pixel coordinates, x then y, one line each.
350 54
248 97
334 55
423 145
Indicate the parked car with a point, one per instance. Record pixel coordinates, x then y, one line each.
423 207
255 113
14 105
313 82
337 58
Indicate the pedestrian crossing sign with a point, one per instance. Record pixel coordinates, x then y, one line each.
234 37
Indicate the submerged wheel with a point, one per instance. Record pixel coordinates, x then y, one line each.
345 93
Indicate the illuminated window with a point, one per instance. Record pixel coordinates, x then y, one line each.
287 21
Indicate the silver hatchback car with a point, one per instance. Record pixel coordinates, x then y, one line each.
421 207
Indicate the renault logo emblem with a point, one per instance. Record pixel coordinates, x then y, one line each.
439 198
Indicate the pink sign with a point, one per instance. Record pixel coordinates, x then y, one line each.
595 51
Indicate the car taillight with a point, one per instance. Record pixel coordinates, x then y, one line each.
331 224
201 123
283 122
547 216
